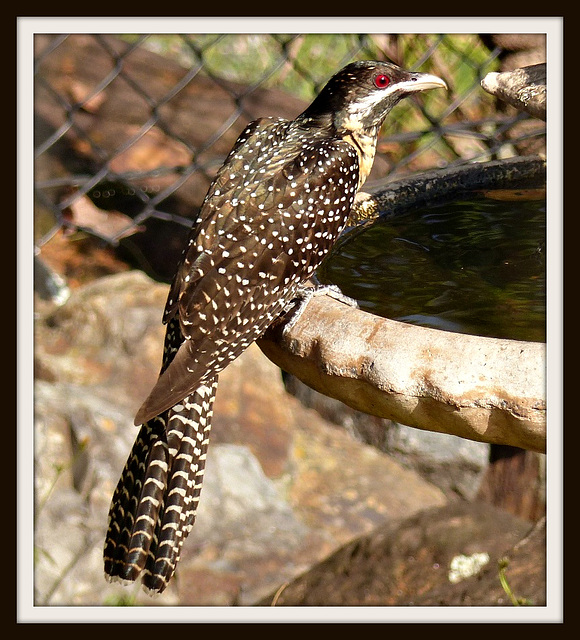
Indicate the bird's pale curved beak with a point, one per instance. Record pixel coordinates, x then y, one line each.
422 82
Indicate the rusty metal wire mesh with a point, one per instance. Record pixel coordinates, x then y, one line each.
129 130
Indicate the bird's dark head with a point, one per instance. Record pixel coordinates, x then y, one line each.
361 95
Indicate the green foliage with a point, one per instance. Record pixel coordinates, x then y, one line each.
120 600
300 64
503 564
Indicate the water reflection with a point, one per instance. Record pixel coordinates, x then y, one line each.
474 266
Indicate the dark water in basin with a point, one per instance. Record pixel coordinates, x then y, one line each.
474 266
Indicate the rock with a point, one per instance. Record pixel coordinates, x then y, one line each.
246 537
524 568
48 284
283 489
80 444
421 561
454 465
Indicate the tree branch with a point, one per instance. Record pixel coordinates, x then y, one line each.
524 89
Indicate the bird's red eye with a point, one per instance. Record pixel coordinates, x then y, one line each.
382 81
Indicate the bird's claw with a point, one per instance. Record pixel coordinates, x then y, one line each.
303 296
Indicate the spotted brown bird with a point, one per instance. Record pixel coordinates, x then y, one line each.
271 215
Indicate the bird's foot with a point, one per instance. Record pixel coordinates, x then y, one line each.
303 296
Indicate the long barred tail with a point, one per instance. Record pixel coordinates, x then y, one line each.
155 502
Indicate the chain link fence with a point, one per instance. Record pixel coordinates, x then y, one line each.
130 130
